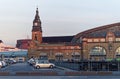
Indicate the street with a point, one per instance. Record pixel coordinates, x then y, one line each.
17 67
60 77
25 67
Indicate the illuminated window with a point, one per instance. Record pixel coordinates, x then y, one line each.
96 40
72 47
89 40
102 40
110 39
117 39
97 51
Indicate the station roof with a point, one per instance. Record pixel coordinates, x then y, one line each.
57 39
99 32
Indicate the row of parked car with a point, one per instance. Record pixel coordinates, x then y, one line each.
39 63
7 62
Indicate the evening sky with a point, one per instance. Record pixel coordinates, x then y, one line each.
59 17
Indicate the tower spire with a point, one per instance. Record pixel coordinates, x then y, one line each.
37 18
37 14
36 28
37 22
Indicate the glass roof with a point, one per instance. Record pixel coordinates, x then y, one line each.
14 53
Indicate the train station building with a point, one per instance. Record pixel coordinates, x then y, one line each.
98 44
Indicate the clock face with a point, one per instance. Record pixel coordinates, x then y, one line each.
36 24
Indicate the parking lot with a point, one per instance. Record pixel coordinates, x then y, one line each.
25 67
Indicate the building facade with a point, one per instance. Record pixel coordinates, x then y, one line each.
52 48
98 44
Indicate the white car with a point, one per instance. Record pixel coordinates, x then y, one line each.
43 64
4 64
11 61
1 64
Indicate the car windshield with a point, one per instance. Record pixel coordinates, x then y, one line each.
42 61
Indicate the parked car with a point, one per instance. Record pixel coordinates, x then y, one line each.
0 64
43 64
11 61
20 60
4 64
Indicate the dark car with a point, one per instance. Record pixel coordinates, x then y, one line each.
11 61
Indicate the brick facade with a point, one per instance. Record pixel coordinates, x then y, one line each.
58 49
99 43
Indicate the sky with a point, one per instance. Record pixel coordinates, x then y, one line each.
59 17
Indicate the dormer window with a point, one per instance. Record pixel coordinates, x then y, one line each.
110 37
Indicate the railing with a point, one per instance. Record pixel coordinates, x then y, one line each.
90 65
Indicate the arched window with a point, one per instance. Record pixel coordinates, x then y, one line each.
59 56
75 56
98 51
118 51
35 37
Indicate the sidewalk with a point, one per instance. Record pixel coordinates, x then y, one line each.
66 69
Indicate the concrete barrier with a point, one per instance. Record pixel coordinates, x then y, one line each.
22 74
4 73
104 73
36 74
67 73
88 73
43 73
72 73
82 73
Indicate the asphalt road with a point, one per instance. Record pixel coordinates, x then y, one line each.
25 67
59 77
17 67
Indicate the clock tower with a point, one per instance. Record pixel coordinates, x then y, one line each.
37 29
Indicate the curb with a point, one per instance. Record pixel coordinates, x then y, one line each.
36 74
89 73
67 73
4 73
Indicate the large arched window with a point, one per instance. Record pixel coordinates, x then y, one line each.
118 51
75 56
97 51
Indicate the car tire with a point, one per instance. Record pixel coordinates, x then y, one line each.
51 66
37 67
